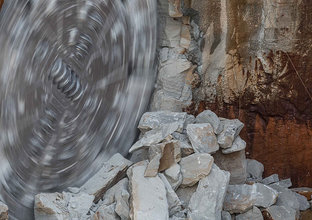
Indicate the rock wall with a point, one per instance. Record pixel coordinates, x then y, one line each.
244 59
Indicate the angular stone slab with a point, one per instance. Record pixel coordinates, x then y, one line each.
252 214
202 137
235 163
286 197
279 213
255 170
207 201
148 195
210 117
231 129
4 211
305 191
270 179
152 120
238 145
195 167
174 176
111 172
155 136
240 198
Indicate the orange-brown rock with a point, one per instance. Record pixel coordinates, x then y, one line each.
306 215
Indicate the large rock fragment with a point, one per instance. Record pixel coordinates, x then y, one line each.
276 212
254 170
3 211
174 176
162 156
238 145
207 201
303 202
305 191
185 145
152 120
78 204
270 179
175 9
240 198
186 193
111 172
148 195
202 137
174 203
155 136
231 129
210 117
252 214
235 163
195 167
286 183
286 198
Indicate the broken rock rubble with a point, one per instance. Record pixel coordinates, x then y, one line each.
173 174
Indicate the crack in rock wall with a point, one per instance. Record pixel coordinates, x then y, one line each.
244 59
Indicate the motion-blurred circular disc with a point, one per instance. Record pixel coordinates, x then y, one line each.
75 75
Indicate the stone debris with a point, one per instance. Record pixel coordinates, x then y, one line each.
185 145
286 198
185 194
303 202
240 198
106 212
286 183
62 205
255 170
235 163
210 117
174 203
231 129
202 137
175 9
276 212
3 211
155 136
174 176
238 145
270 179
111 172
207 201
195 167
148 195
226 215
152 120
305 191
252 214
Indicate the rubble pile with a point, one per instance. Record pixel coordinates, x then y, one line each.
181 168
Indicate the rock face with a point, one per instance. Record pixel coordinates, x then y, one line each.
148 195
240 198
3 208
195 167
207 201
260 77
202 137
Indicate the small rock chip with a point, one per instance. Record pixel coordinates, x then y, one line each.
174 176
155 136
235 163
212 190
162 156
252 214
105 212
4 211
226 215
286 183
210 117
174 203
254 170
231 129
148 195
238 145
111 172
240 198
202 137
270 179
152 120
195 167
279 213
305 191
